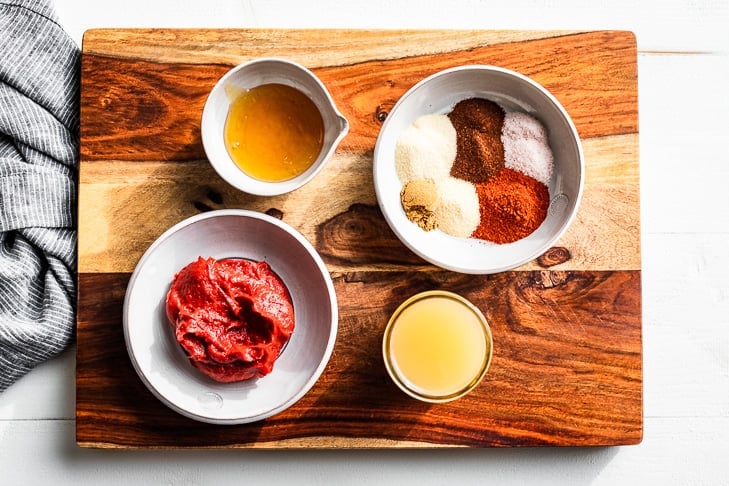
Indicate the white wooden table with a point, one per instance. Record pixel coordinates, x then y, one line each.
683 68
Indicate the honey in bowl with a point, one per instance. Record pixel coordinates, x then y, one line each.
273 132
437 346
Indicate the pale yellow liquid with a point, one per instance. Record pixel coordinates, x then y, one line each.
438 346
273 132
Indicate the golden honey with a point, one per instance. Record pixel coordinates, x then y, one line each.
437 346
273 132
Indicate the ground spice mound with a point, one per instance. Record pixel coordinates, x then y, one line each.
426 149
513 205
419 199
479 149
457 212
526 146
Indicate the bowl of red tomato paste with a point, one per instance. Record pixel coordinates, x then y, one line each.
230 317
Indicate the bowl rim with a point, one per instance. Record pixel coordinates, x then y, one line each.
333 307
480 68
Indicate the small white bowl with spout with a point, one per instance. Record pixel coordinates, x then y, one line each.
250 75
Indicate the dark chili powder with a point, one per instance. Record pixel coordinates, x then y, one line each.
512 206
479 150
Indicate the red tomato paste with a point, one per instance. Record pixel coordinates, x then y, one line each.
232 317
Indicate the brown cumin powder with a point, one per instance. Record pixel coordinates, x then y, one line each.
479 149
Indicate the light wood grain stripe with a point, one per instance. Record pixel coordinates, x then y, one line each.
313 47
125 206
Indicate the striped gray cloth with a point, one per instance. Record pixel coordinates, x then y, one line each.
39 119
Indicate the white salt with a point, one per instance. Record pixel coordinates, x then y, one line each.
426 149
457 213
526 147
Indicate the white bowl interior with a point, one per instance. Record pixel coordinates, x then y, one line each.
160 361
250 75
438 94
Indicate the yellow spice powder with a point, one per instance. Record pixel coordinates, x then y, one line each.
419 198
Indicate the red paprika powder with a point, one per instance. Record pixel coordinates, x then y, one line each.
512 205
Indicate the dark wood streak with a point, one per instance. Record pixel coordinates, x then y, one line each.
554 256
275 212
361 235
201 206
214 195
561 373
153 109
147 99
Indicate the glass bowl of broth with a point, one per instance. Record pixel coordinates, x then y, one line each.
437 346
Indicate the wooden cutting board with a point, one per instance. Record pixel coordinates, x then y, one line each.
567 365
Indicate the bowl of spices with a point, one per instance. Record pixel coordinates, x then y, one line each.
269 126
478 169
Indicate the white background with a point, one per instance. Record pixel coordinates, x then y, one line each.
683 68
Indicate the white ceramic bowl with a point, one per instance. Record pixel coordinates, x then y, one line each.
162 364
249 75
513 91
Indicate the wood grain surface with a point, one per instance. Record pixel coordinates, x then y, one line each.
567 366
